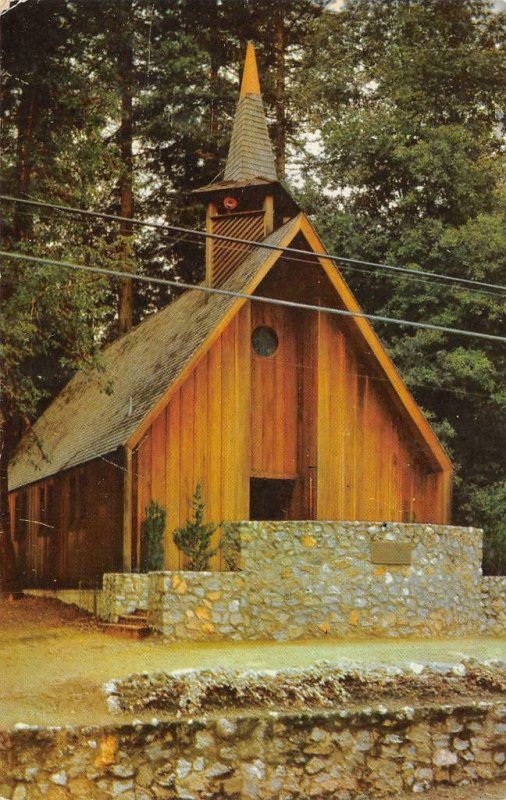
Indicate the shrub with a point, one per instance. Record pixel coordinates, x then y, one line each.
230 547
194 537
489 506
155 529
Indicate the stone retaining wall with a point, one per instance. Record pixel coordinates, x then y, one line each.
494 605
307 579
123 593
339 754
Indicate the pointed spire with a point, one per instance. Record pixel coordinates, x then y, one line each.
250 80
250 154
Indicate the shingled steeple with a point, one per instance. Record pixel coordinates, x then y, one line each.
250 154
250 202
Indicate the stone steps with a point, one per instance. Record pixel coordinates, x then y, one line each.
137 617
129 626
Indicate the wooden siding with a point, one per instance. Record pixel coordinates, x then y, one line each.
318 412
274 397
202 435
74 529
225 256
369 466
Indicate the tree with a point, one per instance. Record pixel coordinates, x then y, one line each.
412 173
51 146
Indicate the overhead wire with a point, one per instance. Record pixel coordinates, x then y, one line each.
264 245
256 298
233 245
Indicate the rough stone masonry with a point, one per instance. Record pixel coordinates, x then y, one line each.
313 579
341 754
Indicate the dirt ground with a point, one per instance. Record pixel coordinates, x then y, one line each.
54 660
496 791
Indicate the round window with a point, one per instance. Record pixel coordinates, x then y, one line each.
265 341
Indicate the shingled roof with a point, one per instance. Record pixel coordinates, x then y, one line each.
250 154
84 422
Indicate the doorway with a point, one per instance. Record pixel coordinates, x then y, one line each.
271 498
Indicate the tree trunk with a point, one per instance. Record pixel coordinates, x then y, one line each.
126 300
9 582
280 101
214 58
22 225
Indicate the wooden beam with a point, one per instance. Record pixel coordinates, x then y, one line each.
211 211
127 511
268 214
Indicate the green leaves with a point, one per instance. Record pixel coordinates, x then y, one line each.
154 558
412 166
195 536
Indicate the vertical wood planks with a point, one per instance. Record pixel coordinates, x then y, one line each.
274 398
368 465
172 479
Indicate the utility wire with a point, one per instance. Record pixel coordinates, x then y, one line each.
231 247
257 298
265 245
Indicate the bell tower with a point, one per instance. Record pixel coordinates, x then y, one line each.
250 202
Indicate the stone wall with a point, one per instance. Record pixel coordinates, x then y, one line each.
123 593
494 605
338 754
200 605
306 579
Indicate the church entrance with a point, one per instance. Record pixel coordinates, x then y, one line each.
271 499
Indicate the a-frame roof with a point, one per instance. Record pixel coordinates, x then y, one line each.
153 359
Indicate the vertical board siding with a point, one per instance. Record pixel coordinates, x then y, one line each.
274 402
314 410
368 464
172 482
76 550
205 433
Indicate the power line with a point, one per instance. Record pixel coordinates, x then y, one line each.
412 275
256 298
265 245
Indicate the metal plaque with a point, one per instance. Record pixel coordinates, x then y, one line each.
391 552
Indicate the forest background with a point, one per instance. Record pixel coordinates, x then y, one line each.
387 117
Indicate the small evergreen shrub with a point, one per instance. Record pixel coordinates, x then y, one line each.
194 537
230 547
155 529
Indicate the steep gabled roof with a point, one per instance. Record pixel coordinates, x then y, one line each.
250 154
147 364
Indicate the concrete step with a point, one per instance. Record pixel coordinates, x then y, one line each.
126 630
136 618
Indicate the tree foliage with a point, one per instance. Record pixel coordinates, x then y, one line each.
155 530
194 537
408 105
